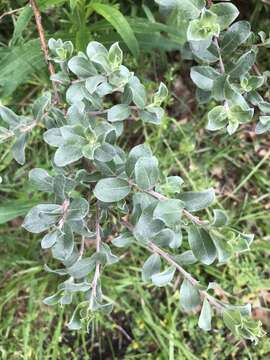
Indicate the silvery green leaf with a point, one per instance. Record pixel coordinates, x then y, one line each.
9 117
60 272
235 36
70 286
110 257
224 250
147 228
190 8
151 266
60 77
164 237
169 211
243 64
93 82
53 137
218 90
152 114
95 48
217 118
41 105
41 180
264 106
123 240
77 210
50 239
204 28
205 316
261 128
64 245
75 93
62 186
75 321
186 258
203 77
41 217
146 172
161 94
195 201
177 239
115 55
111 189
189 296
106 152
163 278
220 218
237 113
134 155
243 242
89 150
5 134
82 267
81 67
53 299
232 126
201 245
138 92
18 149
203 51
226 14
67 154
118 112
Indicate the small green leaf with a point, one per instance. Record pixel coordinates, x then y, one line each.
217 118
81 67
203 77
163 278
111 189
82 267
201 245
169 211
67 154
41 180
205 316
50 239
226 14
146 172
189 296
235 36
220 218
138 92
195 201
151 266
115 55
123 240
243 64
118 112
41 217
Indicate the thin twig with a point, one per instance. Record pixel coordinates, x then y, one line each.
157 250
10 12
44 46
97 270
154 248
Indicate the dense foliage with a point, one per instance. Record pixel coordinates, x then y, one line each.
99 190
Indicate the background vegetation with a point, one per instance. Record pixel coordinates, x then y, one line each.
146 323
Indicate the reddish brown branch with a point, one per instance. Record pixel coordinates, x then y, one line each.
44 46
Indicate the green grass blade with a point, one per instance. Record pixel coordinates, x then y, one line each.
118 21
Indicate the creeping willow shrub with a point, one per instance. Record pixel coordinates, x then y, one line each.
226 52
97 188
